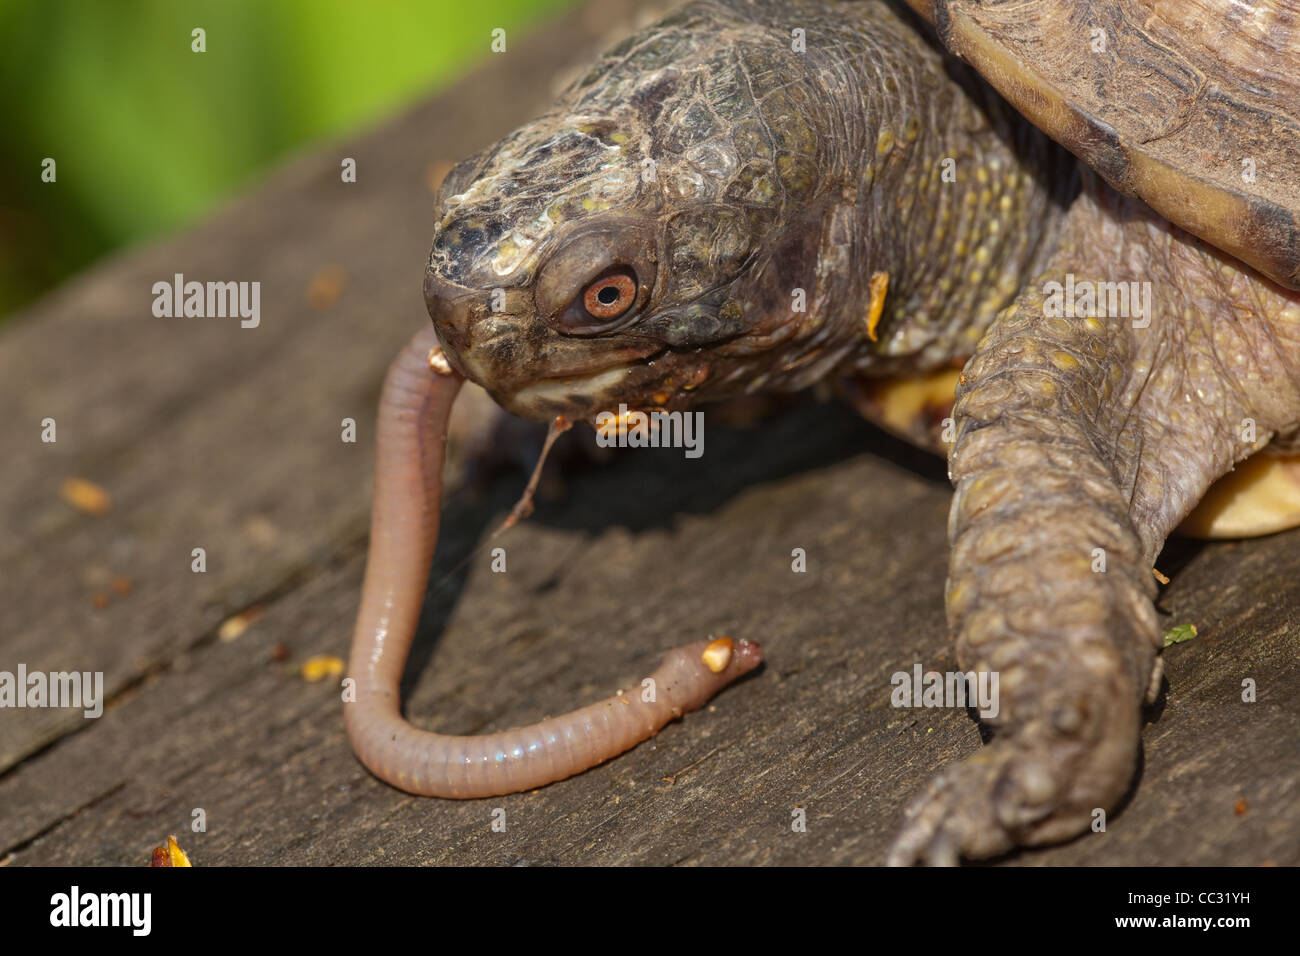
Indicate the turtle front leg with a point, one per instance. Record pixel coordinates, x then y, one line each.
1081 442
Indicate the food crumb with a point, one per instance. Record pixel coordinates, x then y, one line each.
326 286
321 666
169 855
85 496
1240 806
237 624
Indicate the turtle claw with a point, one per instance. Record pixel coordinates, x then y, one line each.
980 808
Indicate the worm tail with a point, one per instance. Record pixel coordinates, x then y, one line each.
412 430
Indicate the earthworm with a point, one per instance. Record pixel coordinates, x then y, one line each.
411 439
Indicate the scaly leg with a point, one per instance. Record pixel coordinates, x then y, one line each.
1076 434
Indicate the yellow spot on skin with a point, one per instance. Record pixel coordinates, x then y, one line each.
885 143
1065 361
717 655
85 496
879 286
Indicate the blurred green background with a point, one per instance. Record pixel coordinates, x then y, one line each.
148 135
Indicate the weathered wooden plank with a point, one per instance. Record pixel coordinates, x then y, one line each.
212 436
596 588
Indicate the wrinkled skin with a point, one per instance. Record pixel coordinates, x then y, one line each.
706 172
726 171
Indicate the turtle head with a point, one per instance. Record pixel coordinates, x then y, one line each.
620 248
544 260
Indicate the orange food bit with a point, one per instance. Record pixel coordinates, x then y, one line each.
170 855
326 286
879 286
236 625
85 496
717 655
322 666
438 361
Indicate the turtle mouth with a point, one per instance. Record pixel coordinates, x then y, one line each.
585 395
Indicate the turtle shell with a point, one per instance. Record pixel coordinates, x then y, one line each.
1193 106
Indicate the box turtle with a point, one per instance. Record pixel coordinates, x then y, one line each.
1056 242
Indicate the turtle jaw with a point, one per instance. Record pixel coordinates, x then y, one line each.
531 370
637 380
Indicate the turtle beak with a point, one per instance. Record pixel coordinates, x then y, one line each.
449 306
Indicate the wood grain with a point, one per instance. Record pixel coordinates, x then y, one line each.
208 435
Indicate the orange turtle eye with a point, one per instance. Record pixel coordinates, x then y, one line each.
611 295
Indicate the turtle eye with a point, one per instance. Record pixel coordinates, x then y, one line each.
610 295
598 281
